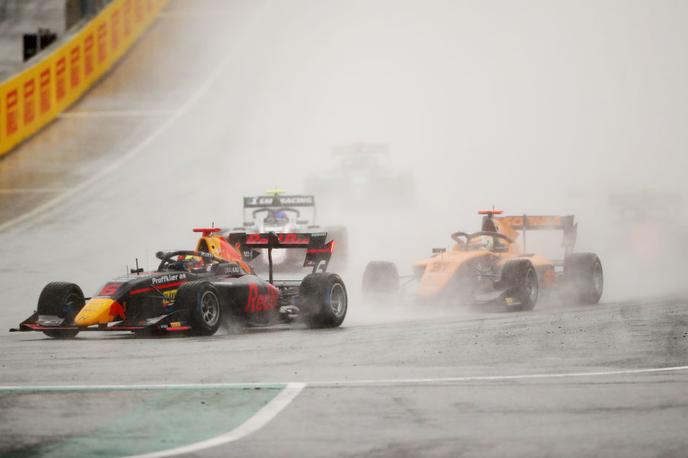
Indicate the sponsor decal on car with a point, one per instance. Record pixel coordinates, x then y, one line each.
169 295
160 283
109 289
284 239
234 269
168 278
279 201
296 200
261 301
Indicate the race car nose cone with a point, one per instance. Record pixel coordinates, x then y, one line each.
96 311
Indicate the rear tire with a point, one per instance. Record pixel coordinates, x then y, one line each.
203 303
64 300
523 285
584 278
324 300
380 277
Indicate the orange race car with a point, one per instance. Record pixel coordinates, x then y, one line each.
492 266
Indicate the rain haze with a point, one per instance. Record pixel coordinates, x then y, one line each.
530 107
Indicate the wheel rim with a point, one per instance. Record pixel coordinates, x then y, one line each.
210 308
597 279
338 300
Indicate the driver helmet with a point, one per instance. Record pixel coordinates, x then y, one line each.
192 263
281 216
276 217
483 242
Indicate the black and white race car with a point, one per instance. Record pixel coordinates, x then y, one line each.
279 212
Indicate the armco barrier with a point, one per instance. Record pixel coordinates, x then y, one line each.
34 97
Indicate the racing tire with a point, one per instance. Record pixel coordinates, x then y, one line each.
583 278
323 300
380 277
203 304
64 300
523 285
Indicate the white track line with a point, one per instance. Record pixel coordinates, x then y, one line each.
203 88
493 378
344 383
253 424
140 387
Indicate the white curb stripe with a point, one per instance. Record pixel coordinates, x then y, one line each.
253 424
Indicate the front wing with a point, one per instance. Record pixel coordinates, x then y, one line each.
171 322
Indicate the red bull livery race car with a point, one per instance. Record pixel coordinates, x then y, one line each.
194 291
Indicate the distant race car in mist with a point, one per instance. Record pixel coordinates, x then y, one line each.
363 178
489 266
655 226
280 212
195 291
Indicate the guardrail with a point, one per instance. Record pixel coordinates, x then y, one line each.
35 96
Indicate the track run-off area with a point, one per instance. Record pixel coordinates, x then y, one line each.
171 139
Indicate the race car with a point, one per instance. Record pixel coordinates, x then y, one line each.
276 211
655 228
194 291
363 178
490 266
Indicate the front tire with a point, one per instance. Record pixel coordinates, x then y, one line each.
203 304
63 300
324 301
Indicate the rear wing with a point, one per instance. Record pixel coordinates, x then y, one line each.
279 200
526 223
538 222
298 208
318 250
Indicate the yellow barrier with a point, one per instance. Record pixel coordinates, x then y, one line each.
34 97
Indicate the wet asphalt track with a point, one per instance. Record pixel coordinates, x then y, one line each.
478 385
559 381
